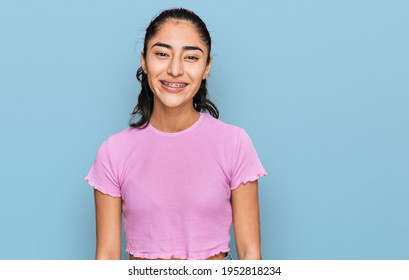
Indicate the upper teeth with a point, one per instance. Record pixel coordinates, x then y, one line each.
176 85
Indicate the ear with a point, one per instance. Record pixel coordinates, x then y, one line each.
207 70
143 63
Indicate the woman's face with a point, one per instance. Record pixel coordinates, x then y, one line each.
176 64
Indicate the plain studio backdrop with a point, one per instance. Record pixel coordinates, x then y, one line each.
321 87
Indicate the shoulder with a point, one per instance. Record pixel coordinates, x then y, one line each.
231 135
222 128
123 134
123 139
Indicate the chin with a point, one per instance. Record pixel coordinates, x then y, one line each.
172 103
175 105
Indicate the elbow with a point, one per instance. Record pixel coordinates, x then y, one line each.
108 254
253 253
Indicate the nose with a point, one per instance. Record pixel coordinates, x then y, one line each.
175 67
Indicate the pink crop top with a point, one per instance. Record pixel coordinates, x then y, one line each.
176 187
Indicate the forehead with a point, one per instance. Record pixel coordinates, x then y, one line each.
177 33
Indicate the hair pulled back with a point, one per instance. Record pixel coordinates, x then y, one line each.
201 102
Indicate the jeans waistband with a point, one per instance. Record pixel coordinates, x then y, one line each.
228 257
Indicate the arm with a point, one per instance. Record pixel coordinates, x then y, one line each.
246 221
108 213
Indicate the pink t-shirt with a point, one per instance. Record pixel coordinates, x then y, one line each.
176 187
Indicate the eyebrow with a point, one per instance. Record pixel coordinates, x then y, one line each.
188 48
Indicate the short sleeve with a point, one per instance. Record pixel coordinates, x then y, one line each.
102 176
246 166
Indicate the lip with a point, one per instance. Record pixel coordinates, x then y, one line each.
171 89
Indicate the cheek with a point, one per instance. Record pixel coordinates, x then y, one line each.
152 68
198 72
154 65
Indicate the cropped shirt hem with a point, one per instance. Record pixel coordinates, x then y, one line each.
179 255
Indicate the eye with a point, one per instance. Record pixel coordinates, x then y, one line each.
161 54
191 58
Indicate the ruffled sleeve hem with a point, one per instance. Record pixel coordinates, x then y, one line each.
250 179
103 190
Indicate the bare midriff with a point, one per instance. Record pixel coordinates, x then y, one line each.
219 256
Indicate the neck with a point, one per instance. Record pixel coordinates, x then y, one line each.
171 120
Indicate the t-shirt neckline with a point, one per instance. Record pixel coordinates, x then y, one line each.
182 132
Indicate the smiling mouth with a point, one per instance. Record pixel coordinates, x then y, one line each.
173 85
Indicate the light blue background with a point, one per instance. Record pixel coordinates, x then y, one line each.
321 86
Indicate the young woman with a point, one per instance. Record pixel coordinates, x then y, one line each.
178 175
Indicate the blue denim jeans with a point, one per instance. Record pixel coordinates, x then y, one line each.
228 257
